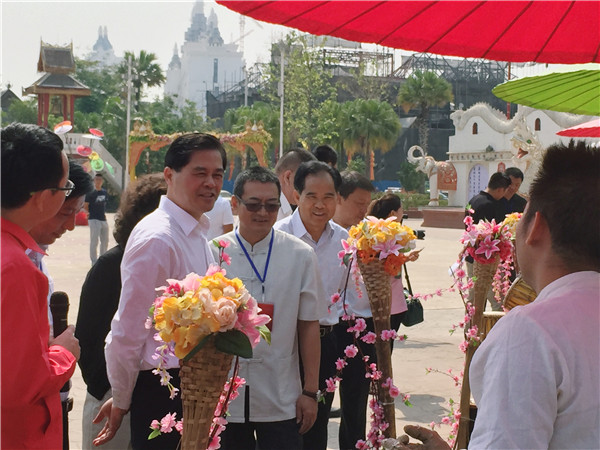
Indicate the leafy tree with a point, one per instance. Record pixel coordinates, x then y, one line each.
104 82
411 179
21 111
424 90
369 125
308 83
145 72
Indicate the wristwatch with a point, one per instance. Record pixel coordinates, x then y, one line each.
316 396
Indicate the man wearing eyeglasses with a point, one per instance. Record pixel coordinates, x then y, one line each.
95 205
34 185
274 408
47 233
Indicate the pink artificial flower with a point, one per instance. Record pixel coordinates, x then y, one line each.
213 268
330 385
394 391
155 425
215 443
167 423
468 221
223 243
340 364
226 258
179 426
369 338
488 247
249 319
386 335
335 298
387 248
351 351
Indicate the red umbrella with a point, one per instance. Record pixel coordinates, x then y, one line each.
519 31
589 129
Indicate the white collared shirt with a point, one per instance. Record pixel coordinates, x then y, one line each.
535 378
168 243
292 289
332 272
285 210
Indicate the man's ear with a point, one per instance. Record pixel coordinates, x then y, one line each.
235 205
538 230
168 174
287 176
296 196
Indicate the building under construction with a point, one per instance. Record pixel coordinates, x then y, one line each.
472 82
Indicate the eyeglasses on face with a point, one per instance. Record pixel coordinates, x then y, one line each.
270 207
68 188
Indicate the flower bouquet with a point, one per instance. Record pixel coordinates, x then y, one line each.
205 320
376 248
490 245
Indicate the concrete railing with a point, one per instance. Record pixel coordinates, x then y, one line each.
73 140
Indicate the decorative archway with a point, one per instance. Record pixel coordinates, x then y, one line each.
254 136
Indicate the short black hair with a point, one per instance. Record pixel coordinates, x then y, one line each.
315 168
98 175
255 173
499 180
566 191
180 152
31 161
514 172
81 179
352 180
326 153
292 159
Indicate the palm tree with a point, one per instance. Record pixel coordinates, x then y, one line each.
145 72
369 125
424 90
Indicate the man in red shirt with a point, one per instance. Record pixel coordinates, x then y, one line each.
34 186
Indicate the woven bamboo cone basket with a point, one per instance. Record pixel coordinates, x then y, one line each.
377 282
202 381
484 274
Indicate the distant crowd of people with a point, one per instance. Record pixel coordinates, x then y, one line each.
535 379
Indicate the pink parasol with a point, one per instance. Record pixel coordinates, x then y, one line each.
589 129
84 150
564 32
96 132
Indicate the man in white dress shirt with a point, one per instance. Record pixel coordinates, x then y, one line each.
221 218
168 243
274 407
316 186
285 169
536 377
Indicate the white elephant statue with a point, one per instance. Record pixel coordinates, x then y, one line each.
428 166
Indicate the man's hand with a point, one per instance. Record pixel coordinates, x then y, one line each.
429 438
68 340
306 413
114 418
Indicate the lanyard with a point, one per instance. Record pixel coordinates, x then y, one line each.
264 277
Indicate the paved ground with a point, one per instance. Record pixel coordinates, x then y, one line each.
429 344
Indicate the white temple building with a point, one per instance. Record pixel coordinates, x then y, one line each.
204 64
486 141
103 51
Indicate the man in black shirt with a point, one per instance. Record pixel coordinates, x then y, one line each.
95 205
487 206
512 201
